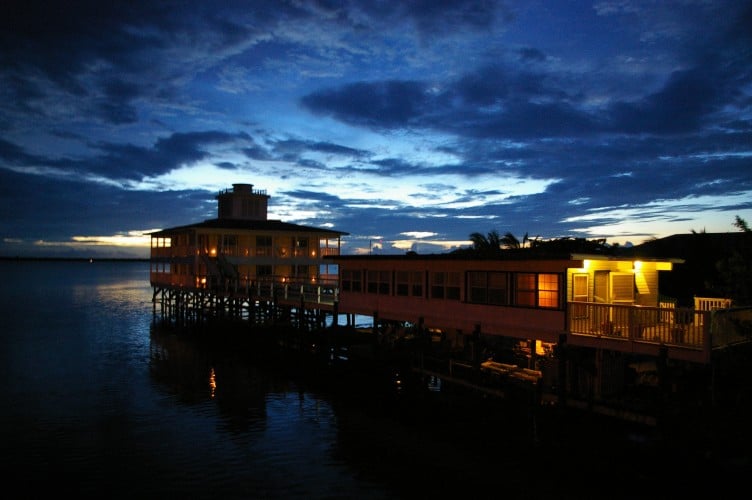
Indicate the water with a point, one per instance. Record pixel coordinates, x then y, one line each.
100 402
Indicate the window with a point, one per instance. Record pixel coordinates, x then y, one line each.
548 290
160 267
301 247
537 290
497 288
524 293
352 280
161 242
487 287
229 244
378 282
477 285
622 287
445 285
301 271
408 283
263 245
416 283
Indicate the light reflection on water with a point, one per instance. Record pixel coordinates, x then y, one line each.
98 404
98 401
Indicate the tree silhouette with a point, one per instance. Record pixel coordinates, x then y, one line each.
510 241
741 224
486 244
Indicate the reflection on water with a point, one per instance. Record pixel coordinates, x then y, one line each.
100 402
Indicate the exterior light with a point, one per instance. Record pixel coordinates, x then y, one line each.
213 251
637 265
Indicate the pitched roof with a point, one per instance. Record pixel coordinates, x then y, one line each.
249 225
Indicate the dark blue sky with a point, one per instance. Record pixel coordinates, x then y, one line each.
409 124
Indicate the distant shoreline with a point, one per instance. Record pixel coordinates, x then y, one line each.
77 259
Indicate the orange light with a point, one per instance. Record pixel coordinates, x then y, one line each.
212 383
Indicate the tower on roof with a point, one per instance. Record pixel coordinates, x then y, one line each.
243 203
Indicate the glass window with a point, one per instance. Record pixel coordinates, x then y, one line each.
263 245
351 280
497 288
487 287
402 283
524 293
378 282
445 285
408 283
548 290
372 281
622 287
437 285
416 282
477 284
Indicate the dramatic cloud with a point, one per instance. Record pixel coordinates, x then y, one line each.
414 123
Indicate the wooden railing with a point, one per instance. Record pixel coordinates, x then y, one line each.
679 326
272 287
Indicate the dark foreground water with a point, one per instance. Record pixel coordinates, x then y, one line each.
99 402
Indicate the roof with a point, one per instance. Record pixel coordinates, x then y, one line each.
249 225
504 255
585 256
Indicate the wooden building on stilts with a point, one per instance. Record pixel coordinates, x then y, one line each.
583 328
242 265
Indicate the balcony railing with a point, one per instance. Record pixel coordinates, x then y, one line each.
233 251
679 326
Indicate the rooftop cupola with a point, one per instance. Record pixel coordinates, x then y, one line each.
242 202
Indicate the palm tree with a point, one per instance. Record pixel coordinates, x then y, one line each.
510 241
741 224
489 243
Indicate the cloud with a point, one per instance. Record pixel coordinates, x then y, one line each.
396 118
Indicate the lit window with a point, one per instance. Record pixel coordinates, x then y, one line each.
548 290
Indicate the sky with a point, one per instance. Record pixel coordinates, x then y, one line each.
408 125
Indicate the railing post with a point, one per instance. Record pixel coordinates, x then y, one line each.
707 340
631 324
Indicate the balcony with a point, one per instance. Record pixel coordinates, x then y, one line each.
688 333
328 251
661 325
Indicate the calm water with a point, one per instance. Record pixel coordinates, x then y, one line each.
98 401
